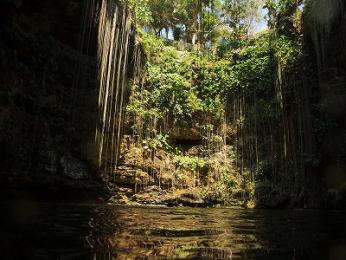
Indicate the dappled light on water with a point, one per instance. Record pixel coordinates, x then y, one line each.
77 231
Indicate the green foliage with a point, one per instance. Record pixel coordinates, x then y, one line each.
286 51
187 18
160 141
241 15
141 115
141 11
178 87
173 92
284 16
242 75
188 162
247 69
152 46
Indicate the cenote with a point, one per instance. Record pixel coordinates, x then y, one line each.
89 231
173 129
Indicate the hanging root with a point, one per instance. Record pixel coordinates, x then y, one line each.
114 32
321 15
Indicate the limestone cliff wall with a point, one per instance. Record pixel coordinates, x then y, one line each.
48 92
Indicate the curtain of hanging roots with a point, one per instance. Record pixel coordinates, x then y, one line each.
114 31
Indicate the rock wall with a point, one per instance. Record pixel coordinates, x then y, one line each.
325 49
48 93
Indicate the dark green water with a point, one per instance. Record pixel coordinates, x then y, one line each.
31 230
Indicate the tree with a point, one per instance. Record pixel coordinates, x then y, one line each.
141 11
241 15
162 12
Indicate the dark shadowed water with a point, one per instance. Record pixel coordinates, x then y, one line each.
31 230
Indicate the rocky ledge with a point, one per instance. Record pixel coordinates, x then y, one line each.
155 196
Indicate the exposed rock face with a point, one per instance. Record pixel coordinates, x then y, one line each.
47 107
73 168
189 198
325 34
125 176
157 176
172 198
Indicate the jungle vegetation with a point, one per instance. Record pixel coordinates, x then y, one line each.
234 111
192 103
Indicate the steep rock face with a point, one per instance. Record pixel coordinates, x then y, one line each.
325 48
48 91
73 168
333 106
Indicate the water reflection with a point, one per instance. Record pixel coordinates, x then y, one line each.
77 231
130 233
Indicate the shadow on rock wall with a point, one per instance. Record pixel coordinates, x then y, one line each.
48 93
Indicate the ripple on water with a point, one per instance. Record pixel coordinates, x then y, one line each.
106 232
164 232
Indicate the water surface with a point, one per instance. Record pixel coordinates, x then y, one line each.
31 230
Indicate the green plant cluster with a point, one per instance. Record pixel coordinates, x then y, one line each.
180 84
184 83
189 162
